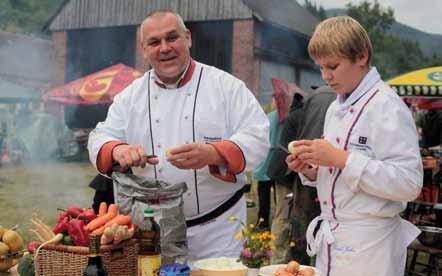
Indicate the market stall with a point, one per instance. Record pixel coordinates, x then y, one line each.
422 87
85 101
422 91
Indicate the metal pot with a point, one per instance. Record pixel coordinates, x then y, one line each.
431 236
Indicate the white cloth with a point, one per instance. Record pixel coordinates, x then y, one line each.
217 243
361 232
223 109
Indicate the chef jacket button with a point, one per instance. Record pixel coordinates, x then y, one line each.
160 170
158 146
186 117
188 94
189 193
156 97
324 202
330 170
338 140
352 110
157 121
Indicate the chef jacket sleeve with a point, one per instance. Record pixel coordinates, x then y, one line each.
112 129
248 128
395 170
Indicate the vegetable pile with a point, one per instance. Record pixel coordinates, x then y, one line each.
11 247
74 225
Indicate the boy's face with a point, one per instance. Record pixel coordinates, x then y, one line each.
342 74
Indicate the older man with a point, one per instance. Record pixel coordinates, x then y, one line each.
203 125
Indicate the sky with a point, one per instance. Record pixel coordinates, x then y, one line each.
424 15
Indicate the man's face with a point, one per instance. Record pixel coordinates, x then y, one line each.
166 46
342 74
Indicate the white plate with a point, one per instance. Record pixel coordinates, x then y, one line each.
271 269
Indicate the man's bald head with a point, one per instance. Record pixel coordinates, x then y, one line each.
160 14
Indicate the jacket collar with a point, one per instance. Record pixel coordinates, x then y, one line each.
367 83
185 77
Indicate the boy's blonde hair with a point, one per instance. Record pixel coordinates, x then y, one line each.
340 36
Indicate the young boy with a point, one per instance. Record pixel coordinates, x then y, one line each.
365 168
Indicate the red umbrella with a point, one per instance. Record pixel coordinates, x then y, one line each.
97 88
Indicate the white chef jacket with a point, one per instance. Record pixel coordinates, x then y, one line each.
361 232
213 106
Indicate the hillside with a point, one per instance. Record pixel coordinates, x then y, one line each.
429 43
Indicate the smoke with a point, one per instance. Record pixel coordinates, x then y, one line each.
34 144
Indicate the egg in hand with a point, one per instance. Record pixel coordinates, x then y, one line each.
291 148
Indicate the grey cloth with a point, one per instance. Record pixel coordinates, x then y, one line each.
133 194
313 113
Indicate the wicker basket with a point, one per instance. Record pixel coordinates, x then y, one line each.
62 260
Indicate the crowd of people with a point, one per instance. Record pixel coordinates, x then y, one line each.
356 161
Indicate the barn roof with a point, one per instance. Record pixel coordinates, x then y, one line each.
80 14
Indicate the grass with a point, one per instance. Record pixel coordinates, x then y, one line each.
40 190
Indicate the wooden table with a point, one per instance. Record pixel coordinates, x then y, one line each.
15 273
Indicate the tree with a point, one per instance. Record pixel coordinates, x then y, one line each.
26 16
392 56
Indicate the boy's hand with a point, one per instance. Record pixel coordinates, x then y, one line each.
321 153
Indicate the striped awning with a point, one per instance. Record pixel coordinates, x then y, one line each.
424 83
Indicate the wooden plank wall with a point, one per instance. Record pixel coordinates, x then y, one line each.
79 14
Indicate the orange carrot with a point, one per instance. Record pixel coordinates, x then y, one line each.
102 209
112 212
120 220
99 231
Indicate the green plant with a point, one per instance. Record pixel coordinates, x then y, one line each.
257 246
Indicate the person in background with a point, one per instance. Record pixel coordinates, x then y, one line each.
366 167
104 191
265 183
431 129
186 121
305 202
284 181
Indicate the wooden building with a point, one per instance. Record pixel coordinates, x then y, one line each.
253 39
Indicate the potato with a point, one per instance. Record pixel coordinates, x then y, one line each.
4 249
13 240
2 231
292 267
291 148
308 271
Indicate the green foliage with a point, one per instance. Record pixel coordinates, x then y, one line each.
392 56
26 16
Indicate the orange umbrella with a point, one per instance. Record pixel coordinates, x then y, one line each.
97 88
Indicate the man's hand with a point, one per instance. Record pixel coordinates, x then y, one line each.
194 156
132 156
321 153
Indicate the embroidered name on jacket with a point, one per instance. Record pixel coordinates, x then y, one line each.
361 144
208 139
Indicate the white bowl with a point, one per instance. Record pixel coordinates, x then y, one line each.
221 266
271 269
